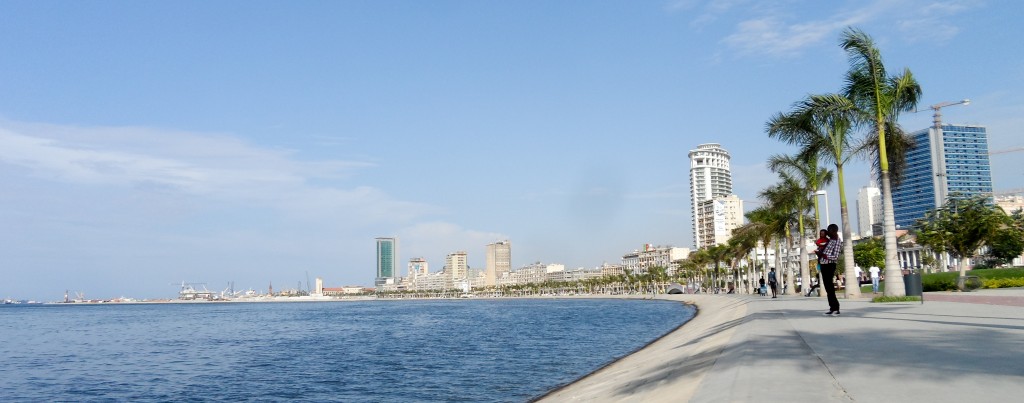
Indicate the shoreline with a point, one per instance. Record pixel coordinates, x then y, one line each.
668 369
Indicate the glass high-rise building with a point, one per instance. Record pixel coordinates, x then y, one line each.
952 161
710 179
387 260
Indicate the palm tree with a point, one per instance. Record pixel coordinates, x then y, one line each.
807 172
698 260
717 254
659 275
763 225
821 126
792 201
882 98
740 244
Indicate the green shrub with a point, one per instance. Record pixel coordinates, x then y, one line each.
1002 282
904 298
939 281
947 281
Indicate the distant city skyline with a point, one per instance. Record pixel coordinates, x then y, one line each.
146 144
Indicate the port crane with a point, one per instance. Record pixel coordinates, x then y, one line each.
189 291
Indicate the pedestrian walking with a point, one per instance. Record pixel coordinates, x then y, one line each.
773 282
874 278
827 257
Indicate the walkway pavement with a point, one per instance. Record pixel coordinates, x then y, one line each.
956 347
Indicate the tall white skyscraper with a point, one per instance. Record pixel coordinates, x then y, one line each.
498 261
710 179
869 210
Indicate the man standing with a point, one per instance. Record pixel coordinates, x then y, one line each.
828 256
773 282
874 278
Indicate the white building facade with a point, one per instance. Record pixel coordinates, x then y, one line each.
717 218
639 261
710 179
869 211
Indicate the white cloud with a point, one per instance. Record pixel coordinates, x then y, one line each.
198 166
770 30
773 37
189 162
932 22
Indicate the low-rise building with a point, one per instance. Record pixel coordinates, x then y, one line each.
639 261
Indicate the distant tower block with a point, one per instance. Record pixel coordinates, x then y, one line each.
710 179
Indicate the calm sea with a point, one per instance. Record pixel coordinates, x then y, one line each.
375 351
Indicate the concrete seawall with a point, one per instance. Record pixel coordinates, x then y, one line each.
669 369
953 348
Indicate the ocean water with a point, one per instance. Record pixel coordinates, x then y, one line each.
508 350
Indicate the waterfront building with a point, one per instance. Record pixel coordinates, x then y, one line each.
717 218
417 267
318 290
476 278
641 260
573 275
345 291
535 273
946 160
387 261
869 211
498 261
710 179
607 269
456 266
431 281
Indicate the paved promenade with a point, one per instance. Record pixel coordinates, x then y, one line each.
956 347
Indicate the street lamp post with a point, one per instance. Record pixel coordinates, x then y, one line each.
827 219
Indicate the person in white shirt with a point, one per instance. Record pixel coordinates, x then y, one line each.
874 278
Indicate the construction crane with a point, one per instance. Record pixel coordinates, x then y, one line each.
1007 150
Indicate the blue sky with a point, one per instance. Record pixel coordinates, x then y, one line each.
147 143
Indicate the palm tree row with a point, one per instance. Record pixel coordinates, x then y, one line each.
832 129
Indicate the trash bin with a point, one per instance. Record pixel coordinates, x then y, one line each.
912 284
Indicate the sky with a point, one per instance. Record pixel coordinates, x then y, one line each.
143 144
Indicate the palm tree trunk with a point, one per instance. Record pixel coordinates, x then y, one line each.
893 275
805 278
849 272
790 285
764 269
